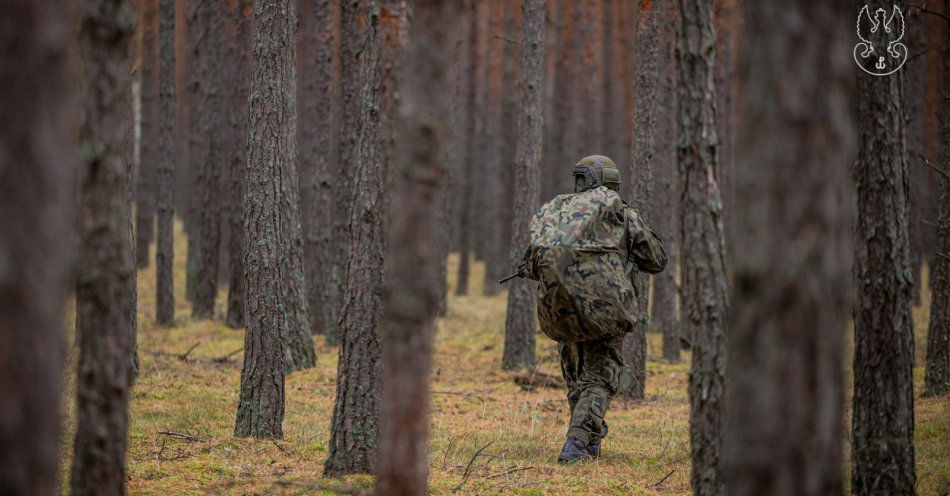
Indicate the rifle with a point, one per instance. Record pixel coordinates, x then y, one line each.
519 272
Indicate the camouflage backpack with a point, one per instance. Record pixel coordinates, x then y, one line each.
577 252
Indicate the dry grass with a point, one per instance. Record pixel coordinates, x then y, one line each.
182 415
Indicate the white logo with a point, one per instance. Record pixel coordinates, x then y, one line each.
880 51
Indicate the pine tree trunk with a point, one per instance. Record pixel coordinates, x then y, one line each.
300 352
703 265
354 429
165 246
490 179
210 158
937 373
791 297
882 425
317 119
725 17
641 169
664 314
239 58
520 316
36 205
104 291
149 155
467 176
412 267
271 152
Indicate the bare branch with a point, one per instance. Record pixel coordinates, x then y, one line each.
934 167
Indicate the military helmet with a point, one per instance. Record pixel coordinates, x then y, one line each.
594 171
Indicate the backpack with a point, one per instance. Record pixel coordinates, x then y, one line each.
578 253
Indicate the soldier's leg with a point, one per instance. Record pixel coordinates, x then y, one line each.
599 379
570 370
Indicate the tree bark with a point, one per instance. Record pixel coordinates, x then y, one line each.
642 155
209 159
520 316
104 291
149 156
790 300
725 16
490 179
703 269
664 314
882 425
937 373
317 120
412 295
165 246
271 152
239 57
351 62
36 205
354 429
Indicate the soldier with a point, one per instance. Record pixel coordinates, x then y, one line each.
584 247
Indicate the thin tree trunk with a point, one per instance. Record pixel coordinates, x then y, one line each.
784 433
937 373
882 425
317 120
239 58
354 429
271 151
210 159
104 291
466 210
520 316
411 289
641 199
165 246
491 182
664 314
725 15
36 205
703 264
149 156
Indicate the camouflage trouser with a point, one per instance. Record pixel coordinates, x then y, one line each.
592 371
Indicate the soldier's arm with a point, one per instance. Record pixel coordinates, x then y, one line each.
645 248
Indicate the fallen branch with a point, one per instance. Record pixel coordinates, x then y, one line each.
281 448
180 435
506 472
667 476
227 358
460 393
468 468
934 167
184 356
535 380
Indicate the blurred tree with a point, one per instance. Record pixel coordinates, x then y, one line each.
468 175
491 176
238 55
105 272
165 201
725 16
37 167
664 313
271 153
520 316
412 295
882 425
207 153
149 156
640 169
354 429
937 374
317 116
703 251
792 285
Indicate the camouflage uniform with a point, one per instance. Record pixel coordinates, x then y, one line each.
591 257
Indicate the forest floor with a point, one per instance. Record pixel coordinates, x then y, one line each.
489 436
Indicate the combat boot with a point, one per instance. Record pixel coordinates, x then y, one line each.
593 449
574 450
